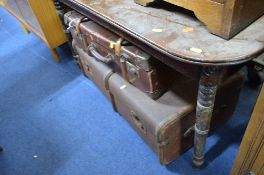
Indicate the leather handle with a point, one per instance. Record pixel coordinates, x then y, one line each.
97 56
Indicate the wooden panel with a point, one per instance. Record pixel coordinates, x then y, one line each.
3 3
224 18
251 152
27 14
12 5
49 22
137 24
39 17
23 22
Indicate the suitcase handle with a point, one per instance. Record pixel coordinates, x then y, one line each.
97 56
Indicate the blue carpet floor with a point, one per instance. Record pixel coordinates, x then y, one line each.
53 121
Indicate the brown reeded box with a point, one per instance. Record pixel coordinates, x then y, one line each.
224 18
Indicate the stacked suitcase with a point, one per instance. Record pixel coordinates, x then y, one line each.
157 101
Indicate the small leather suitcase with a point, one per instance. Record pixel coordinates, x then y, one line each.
167 124
95 70
135 66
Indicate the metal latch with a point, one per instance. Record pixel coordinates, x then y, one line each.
132 71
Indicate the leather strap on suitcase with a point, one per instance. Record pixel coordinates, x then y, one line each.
73 20
96 71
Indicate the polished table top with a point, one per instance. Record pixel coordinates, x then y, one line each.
177 34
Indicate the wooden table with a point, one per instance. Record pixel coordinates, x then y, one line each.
179 40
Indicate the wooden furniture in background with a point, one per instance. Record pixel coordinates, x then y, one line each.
2 2
250 159
222 17
39 17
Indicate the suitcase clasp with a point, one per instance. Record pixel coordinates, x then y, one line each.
133 71
130 71
116 46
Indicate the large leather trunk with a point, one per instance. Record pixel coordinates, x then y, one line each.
167 124
225 18
99 73
134 65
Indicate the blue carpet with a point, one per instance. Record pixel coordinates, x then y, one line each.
53 121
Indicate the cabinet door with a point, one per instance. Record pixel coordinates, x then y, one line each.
250 159
12 4
28 14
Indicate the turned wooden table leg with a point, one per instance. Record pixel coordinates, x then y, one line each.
209 80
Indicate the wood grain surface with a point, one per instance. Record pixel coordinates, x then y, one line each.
251 153
222 17
174 32
40 18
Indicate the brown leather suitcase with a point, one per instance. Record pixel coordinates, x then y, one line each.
135 66
99 73
167 124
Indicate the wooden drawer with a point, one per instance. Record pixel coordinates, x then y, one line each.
224 18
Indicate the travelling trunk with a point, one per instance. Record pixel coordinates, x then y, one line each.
98 72
167 124
134 65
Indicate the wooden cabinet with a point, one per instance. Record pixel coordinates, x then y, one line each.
250 159
39 17
225 18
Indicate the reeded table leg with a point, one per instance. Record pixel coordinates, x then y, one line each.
209 80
